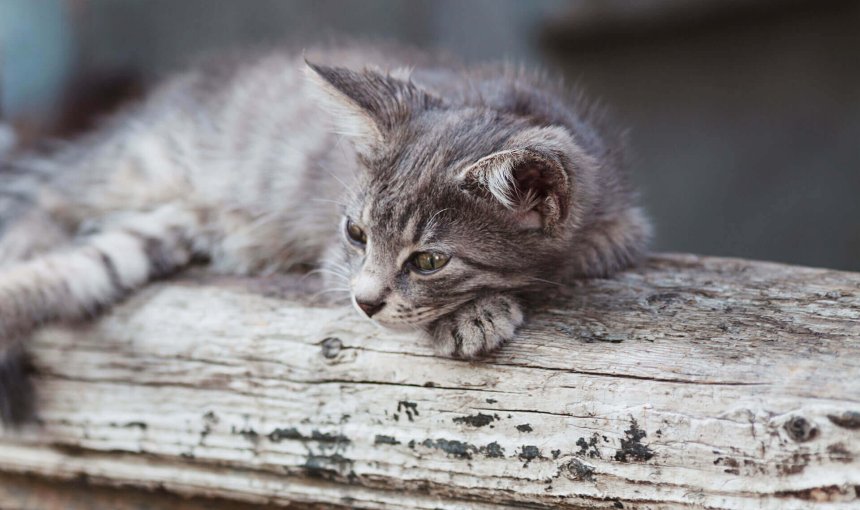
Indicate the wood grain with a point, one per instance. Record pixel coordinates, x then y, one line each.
691 382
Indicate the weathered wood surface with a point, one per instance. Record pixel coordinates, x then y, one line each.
689 383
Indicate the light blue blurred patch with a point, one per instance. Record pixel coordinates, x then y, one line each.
35 53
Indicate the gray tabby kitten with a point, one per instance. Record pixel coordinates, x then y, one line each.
435 193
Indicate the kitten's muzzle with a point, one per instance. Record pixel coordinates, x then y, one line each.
370 307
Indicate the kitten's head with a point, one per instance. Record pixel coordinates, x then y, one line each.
455 200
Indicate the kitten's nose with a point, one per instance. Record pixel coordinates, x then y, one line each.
370 308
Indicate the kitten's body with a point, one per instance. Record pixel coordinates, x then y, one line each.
238 163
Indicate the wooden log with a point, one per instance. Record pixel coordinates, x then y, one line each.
691 382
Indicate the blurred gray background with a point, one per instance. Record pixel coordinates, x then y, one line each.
744 115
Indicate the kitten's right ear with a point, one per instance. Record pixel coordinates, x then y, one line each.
367 105
531 178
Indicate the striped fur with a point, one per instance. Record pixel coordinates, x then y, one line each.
257 164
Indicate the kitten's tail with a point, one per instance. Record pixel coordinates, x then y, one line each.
16 391
78 281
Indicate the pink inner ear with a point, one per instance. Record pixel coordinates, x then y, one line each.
540 183
533 178
530 179
532 185
530 219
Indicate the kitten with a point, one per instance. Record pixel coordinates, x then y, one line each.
435 194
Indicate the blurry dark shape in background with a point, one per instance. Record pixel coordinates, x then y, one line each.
744 115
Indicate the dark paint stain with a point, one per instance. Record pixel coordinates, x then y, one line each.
618 504
476 420
328 462
800 429
589 447
794 465
453 447
70 449
847 420
380 439
209 421
331 347
631 445
528 453
753 467
555 453
525 427
278 435
325 437
429 384
580 471
493 450
248 433
410 408
838 453
491 401
329 467
818 494
732 465
136 425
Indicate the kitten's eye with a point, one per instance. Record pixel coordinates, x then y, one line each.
429 261
355 233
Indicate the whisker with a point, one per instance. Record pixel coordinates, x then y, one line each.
329 201
349 190
337 265
322 167
559 284
340 276
329 291
327 271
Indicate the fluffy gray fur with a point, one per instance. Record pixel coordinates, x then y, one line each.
258 164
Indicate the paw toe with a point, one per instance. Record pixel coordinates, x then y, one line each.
480 328
478 338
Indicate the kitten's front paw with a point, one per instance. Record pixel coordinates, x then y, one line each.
479 327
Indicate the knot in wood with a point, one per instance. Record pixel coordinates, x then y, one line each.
331 346
800 429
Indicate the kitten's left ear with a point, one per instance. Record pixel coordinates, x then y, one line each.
532 179
368 105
